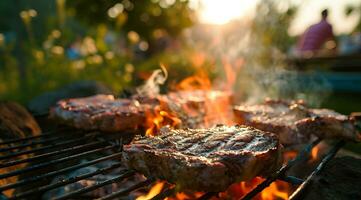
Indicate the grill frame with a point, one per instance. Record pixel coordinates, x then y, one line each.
115 143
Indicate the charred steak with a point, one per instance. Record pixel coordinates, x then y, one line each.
205 159
100 112
294 123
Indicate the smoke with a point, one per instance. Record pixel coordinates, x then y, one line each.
153 83
249 55
279 83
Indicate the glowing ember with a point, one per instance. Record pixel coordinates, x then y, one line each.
185 196
314 153
289 155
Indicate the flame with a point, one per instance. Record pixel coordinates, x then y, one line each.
156 189
216 104
314 153
156 118
289 155
278 190
197 82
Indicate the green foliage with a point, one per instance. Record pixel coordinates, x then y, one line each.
141 16
37 59
270 31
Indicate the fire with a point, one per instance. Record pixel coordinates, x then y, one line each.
217 103
197 82
156 118
185 196
314 153
156 189
278 190
289 155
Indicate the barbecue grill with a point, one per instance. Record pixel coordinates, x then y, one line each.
66 147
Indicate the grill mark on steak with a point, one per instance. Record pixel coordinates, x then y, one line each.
205 159
100 112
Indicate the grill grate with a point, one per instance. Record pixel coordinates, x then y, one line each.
57 153
67 147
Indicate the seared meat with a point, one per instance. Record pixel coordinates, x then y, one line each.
205 159
105 113
294 123
275 116
199 108
327 123
101 112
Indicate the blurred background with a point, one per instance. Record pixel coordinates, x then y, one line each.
250 47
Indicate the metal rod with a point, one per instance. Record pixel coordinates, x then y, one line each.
330 154
126 191
95 186
55 173
51 146
52 162
37 157
46 134
302 156
291 179
65 182
34 143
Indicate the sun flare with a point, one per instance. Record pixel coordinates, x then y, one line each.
221 12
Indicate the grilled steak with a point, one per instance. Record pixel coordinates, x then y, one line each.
326 123
205 159
199 108
294 123
105 113
101 112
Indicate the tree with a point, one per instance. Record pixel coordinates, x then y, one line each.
141 16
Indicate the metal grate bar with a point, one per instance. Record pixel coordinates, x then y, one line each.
47 134
95 186
301 189
302 156
51 146
34 143
68 150
291 179
126 191
65 182
61 171
52 162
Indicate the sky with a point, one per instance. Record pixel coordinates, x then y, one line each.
222 11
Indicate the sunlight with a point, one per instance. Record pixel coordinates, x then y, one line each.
221 12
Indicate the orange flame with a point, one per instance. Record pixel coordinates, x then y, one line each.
156 118
278 190
156 189
314 153
197 82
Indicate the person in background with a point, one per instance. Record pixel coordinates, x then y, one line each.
316 37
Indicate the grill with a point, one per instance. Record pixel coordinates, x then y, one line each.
67 147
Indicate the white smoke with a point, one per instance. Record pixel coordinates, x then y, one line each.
152 85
